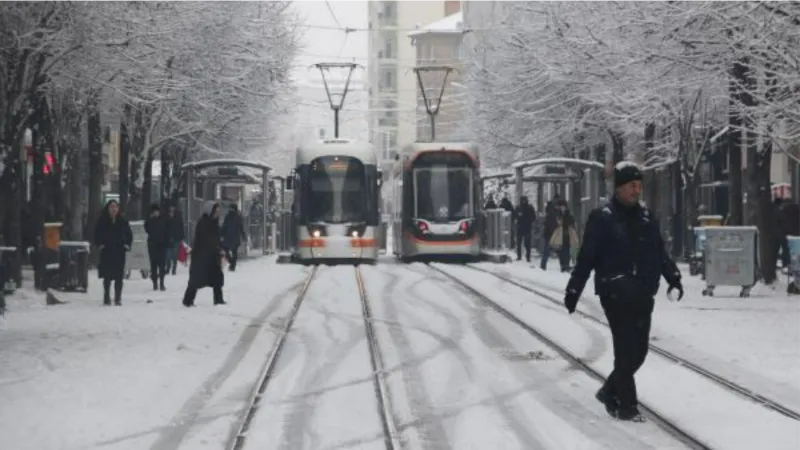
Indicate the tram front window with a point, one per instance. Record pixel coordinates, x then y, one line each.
336 190
443 194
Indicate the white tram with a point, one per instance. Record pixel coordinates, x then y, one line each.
437 201
335 209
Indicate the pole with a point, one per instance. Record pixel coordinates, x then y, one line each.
336 123
433 126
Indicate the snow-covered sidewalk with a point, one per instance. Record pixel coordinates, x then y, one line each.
724 419
142 376
753 341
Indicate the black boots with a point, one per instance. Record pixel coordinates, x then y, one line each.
158 284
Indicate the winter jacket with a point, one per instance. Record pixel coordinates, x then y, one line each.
233 230
158 232
177 231
205 268
524 217
115 238
506 204
622 240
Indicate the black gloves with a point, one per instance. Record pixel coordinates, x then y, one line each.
676 285
571 300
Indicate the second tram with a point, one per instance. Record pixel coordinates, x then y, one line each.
335 209
437 200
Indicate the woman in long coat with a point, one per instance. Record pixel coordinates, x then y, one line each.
205 269
113 237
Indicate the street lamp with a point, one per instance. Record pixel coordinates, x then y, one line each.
429 103
336 106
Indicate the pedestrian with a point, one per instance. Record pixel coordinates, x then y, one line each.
623 245
177 234
233 235
158 234
113 237
205 268
564 237
524 217
550 225
490 204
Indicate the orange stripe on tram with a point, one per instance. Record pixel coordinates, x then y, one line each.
312 243
362 242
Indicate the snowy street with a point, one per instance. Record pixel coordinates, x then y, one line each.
155 375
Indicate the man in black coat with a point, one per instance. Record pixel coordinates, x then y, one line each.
233 235
623 245
205 269
113 238
158 235
524 217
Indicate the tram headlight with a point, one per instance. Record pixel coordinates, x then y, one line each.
354 234
316 233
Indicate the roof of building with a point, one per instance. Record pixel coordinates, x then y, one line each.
452 24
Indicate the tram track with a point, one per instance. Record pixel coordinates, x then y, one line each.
667 425
709 375
238 439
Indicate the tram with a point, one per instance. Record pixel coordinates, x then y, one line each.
437 202
335 208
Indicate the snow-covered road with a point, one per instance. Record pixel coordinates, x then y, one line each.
153 375
461 376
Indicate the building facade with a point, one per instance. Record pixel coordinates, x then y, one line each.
438 46
392 84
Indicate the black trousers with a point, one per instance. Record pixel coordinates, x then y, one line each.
117 290
158 260
630 331
191 293
232 253
524 239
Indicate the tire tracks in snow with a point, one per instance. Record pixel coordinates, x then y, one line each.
557 400
430 431
598 344
296 429
172 437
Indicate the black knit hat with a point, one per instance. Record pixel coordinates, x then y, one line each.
625 172
155 207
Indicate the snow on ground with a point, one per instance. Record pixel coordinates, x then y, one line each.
754 341
322 395
722 419
461 377
85 376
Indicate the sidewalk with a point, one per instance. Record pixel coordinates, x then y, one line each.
82 375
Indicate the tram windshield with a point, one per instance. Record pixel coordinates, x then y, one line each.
336 190
443 194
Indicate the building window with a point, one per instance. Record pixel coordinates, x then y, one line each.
388 82
390 108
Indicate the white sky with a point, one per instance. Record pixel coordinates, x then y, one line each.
326 45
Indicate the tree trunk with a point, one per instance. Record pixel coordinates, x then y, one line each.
740 80
147 185
124 158
95 138
38 204
164 181
760 197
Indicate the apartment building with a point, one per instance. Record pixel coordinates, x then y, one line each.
392 83
438 45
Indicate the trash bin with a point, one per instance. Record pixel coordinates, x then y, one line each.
696 259
794 266
7 259
730 258
73 266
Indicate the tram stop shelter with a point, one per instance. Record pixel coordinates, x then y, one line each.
205 179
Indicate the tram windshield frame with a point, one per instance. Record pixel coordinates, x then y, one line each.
444 187
336 190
